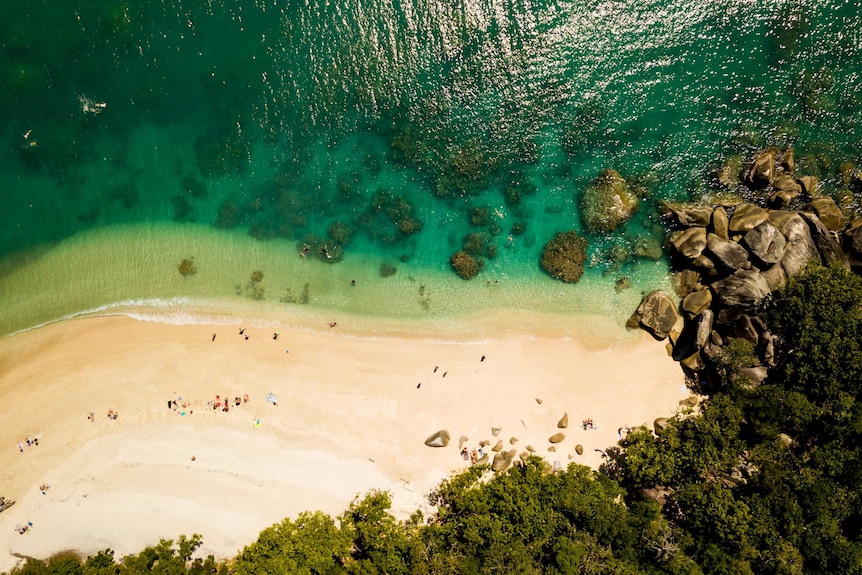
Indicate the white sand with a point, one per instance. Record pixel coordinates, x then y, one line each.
350 418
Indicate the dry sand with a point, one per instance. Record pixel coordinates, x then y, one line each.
350 418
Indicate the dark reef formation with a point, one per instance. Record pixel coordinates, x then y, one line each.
564 255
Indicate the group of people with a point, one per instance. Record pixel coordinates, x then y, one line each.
588 424
22 529
224 403
474 455
29 442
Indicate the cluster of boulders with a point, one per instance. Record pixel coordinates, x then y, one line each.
503 459
728 258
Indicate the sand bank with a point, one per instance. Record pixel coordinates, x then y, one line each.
352 414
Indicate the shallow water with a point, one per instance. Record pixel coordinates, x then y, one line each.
391 125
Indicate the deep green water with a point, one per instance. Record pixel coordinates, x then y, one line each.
401 119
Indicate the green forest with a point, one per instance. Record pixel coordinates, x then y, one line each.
758 479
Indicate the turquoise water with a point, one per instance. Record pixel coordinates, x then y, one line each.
399 127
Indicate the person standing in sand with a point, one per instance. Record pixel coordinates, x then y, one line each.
214 336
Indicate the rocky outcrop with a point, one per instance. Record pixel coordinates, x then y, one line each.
729 258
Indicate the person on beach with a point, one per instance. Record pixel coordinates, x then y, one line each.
214 336
20 447
241 330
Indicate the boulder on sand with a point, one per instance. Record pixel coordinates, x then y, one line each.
657 314
557 437
564 422
438 439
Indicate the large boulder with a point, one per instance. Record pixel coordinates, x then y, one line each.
762 170
704 328
697 301
800 248
765 243
828 212
744 288
438 439
607 202
747 217
826 244
690 242
557 437
687 215
853 245
657 314
810 185
720 223
563 257
503 460
730 255
786 189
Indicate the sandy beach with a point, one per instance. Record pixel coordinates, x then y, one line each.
352 414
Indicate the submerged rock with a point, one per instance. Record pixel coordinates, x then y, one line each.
607 202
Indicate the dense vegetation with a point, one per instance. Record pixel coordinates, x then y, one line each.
760 480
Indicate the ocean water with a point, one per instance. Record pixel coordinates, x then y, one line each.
380 135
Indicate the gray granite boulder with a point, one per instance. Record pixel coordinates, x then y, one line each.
828 247
765 243
730 255
438 439
744 288
743 328
657 313
503 460
853 246
704 328
800 247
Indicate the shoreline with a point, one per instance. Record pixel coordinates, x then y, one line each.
353 412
